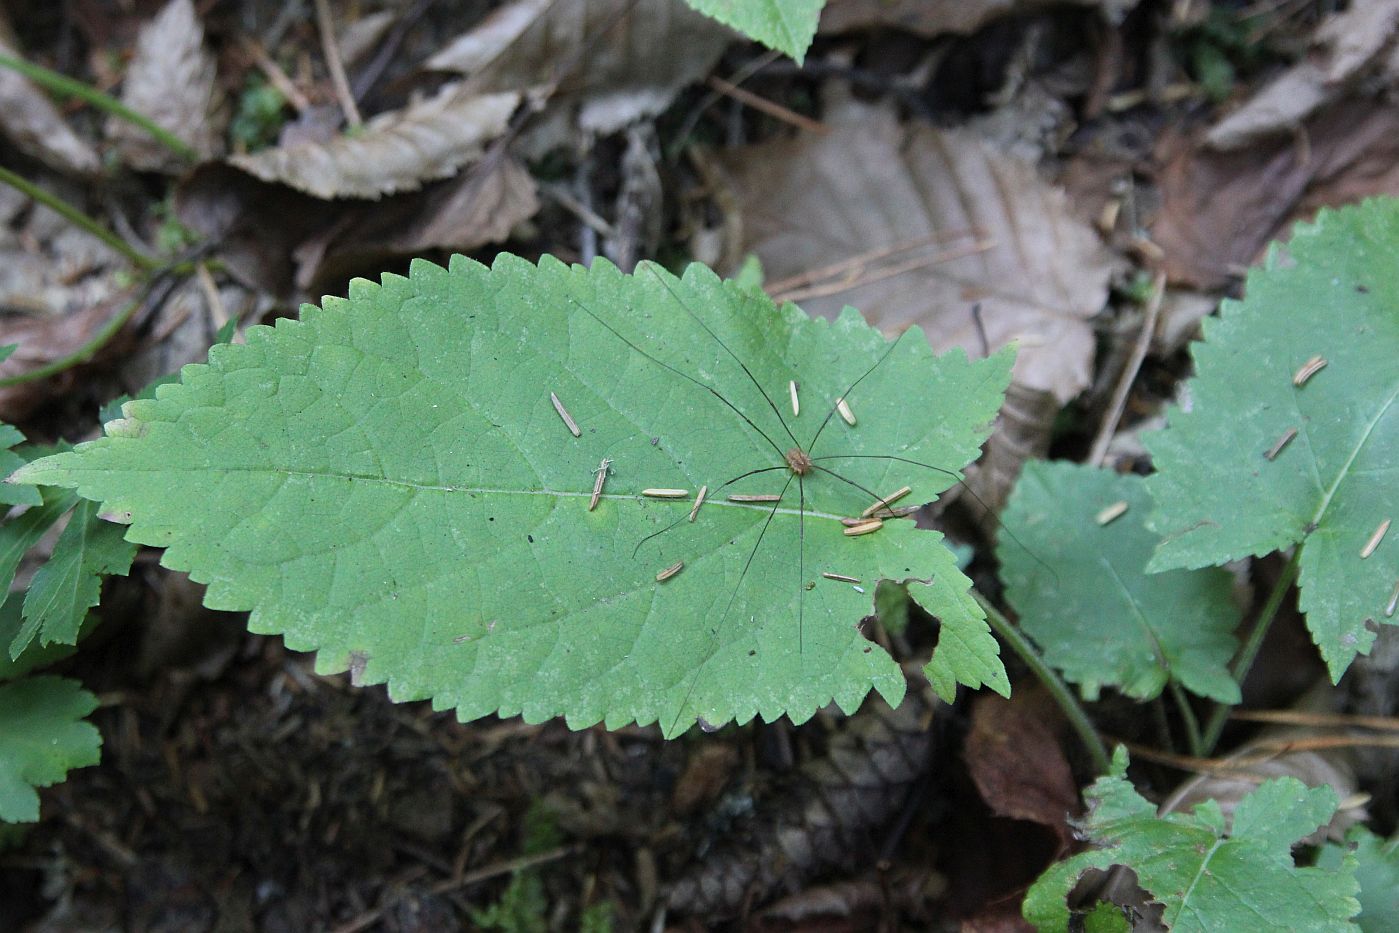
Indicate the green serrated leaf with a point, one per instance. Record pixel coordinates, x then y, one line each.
785 25
1376 869
42 738
1208 876
35 656
1090 605
387 482
1331 293
70 582
11 494
19 534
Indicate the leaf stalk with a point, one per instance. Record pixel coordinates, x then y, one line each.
69 87
1073 710
1249 653
76 217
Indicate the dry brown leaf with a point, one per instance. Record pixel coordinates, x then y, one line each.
1345 47
257 225
395 151
171 81
932 19
1022 433
472 211
1037 272
1014 755
628 58
45 339
479 206
1219 209
31 121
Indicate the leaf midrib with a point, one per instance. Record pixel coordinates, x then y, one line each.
483 490
1344 472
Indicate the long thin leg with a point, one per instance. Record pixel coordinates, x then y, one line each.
719 626
684 375
684 518
961 482
801 566
751 378
851 388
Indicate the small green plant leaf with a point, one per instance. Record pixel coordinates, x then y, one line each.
42 737
1377 870
1209 876
785 25
1092 608
1260 463
9 462
387 482
70 582
19 534
35 656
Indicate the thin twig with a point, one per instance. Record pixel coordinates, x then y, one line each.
859 260
62 84
331 49
1129 374
1237 765
76 217
275 75
771 108
1320 720
510 866
577 208
887 272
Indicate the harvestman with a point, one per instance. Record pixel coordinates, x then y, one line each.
797 460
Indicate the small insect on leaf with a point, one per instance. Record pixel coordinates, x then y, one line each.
792 387
839 576
699 501
760 497
868 526
1309 369
843 407
1280 444
1111 513
666 493
1375 539
601 472
563 413
883 504
670 571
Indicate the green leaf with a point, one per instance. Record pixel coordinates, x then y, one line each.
10 461
1330 293
19 534
42 737
112 410
1377 870
785 25
1090 605
35 656
1208 876
70 583
386 482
